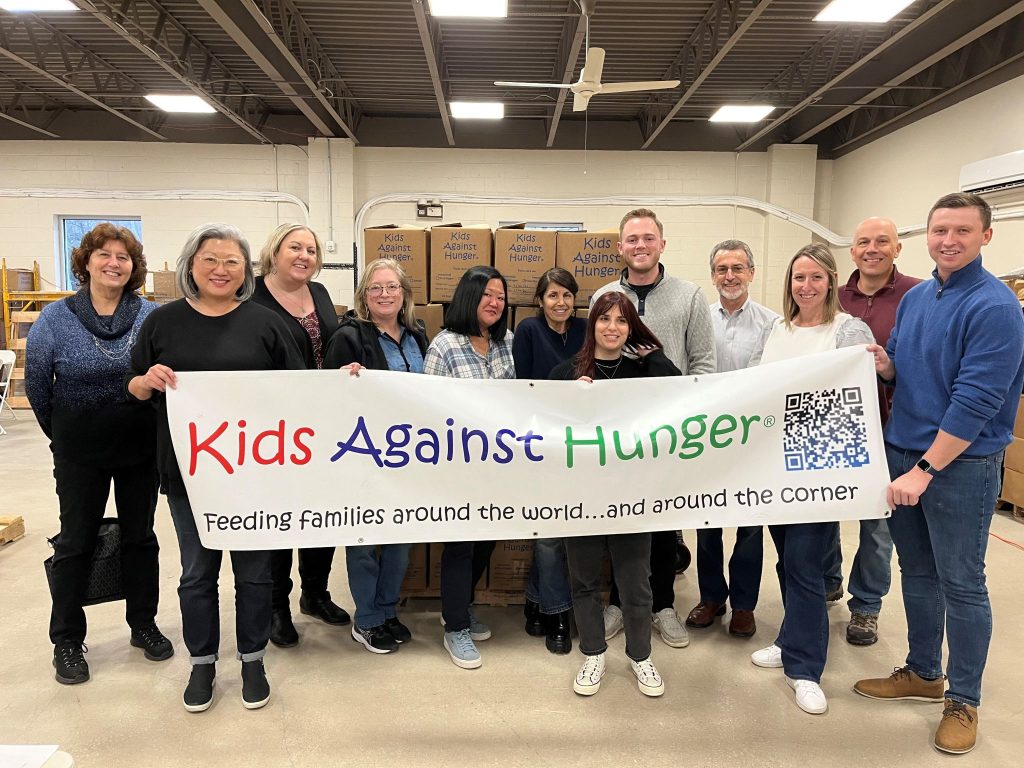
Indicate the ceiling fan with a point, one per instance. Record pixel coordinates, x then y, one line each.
590 83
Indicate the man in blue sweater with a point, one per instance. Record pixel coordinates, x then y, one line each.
955 360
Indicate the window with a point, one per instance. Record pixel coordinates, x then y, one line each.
71 230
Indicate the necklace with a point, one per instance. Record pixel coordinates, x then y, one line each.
116 351
299 304
607 370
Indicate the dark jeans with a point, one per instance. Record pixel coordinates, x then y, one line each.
462 565
375 579
82 491
941 543
803 636
662 572
314 570
631 564
744 584
199 595
548 585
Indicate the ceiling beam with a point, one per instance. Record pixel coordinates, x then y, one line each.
15 105
62 59
434 63
149 28
813 96
573 34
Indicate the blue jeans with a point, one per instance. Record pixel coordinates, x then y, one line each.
803 636
375 581
871 572
940 544
744 584
549 577
199 595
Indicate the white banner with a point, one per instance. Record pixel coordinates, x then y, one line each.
282 459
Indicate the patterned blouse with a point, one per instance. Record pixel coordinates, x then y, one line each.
311 325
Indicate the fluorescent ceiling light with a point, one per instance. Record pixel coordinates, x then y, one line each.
478 110
178 102
741 113
38 5
871 11
497 9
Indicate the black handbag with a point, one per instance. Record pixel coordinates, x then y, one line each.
104 584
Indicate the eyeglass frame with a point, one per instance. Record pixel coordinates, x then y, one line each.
231 263
377 289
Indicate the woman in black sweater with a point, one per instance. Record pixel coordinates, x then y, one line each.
614 326
380 333
291 257
214 328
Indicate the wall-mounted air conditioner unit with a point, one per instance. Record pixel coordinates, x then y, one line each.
995 177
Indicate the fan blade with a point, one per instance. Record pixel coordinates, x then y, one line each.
532 85
593 65
646 85
580 101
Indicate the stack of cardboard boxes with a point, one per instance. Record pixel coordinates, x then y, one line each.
503 584
165 287
1013 466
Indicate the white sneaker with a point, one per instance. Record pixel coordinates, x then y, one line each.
647 677
612 621
667 624
809 696
770 657
588 680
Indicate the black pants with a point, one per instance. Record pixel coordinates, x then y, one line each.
462 565
83 491
314 570
663 572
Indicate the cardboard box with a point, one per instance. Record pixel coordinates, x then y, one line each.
432 317
434 566
1014 457
340 310
1013 487
454 249
510 566
522 256
409 246
1018 425
165 286
416 575
592 258
19 279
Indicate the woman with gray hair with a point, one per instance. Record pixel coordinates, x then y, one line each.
214 328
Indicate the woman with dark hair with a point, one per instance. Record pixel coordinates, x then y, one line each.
291 257
213 328
614 327
475 344
76 358
381 333
541 343
812 321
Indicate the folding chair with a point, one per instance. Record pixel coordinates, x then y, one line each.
7 359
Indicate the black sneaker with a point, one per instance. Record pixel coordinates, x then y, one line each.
323 608
397 630
154 645
199 691
255 686
69 661
375 639
282 632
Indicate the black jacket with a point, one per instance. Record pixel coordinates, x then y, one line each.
358 341
324 313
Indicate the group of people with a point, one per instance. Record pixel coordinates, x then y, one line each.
948 354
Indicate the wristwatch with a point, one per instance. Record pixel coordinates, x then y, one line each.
926 466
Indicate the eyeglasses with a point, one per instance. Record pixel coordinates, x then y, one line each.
231 263
377 290
738 269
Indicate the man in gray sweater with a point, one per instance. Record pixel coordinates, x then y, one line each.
678 314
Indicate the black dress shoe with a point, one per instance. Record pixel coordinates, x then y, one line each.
535 620
323 608
282 631
559 635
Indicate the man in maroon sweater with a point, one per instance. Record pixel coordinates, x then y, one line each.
872 293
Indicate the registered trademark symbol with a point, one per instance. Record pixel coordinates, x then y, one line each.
769 421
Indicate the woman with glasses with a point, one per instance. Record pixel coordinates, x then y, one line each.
812 321
475 344
291 257
213 328
381 333
541 343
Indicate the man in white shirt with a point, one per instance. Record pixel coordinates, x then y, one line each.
738 323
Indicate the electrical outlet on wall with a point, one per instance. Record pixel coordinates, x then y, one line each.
427 211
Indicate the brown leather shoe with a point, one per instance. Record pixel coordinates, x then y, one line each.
958 730
742 624
704 614
903 683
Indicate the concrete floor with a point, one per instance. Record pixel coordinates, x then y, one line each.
334 704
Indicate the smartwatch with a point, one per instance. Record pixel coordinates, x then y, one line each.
926 466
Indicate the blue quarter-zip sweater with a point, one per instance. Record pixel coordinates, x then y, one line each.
958 347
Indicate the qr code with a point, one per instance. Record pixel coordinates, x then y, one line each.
825 430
